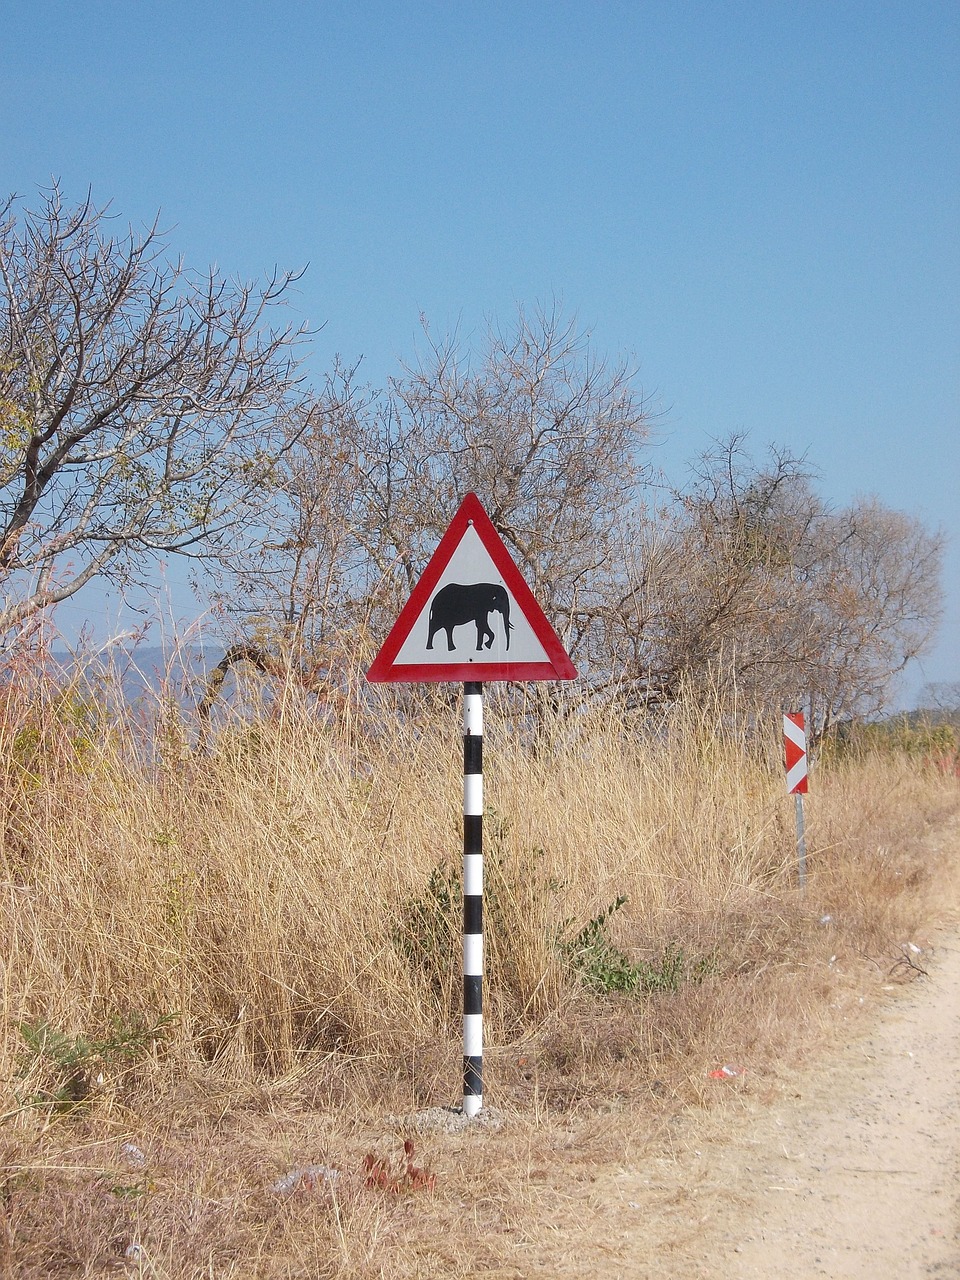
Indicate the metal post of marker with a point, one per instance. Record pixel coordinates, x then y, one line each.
801 843
472 898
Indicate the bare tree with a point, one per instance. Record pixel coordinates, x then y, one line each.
875 605
941 696
546 433
142 407
748 581
302 590
744 580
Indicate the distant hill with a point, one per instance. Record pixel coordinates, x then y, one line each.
934 716
152 669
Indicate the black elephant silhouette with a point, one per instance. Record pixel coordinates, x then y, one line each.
455 605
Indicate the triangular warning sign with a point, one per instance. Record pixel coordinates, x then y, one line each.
471 616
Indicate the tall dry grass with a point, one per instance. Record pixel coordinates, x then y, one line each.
278 914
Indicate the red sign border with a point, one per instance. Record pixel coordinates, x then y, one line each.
558 666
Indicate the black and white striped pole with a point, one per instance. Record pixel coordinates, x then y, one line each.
472 898
470 578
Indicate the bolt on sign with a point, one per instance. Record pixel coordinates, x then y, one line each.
471 617
795 752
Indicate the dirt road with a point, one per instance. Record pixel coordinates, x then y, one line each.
869 1156
852 1173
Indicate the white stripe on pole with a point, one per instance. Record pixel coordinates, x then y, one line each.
473 712
473 953
473 793
473 1048
473 874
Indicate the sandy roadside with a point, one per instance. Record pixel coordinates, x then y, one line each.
853 1173
848 1169
858 1177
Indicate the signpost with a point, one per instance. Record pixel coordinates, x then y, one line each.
795 756
471 618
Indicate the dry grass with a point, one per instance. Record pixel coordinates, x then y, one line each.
235 964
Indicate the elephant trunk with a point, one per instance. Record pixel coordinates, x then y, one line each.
507 624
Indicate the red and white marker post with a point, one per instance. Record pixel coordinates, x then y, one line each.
795 756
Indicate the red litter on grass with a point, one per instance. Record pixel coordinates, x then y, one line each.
727 1073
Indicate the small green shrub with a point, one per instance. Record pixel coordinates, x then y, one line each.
600 965
69 1067
59 732
428 927
431 923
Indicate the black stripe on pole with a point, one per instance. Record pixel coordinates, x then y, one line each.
473 914
473 753
472 833
473 1077
472 994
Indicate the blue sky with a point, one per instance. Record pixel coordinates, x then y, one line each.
758 203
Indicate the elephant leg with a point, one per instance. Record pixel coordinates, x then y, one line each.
450 644
485 636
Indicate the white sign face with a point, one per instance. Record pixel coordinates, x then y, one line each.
471 616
